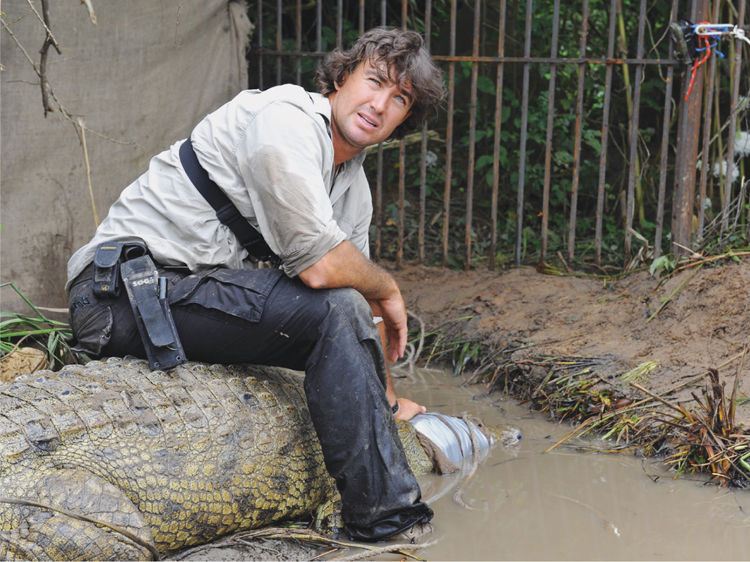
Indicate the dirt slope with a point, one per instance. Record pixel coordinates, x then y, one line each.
703 325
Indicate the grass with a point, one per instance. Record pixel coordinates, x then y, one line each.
35 329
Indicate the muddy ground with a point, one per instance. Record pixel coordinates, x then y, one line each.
704 325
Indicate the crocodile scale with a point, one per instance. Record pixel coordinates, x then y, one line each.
154 461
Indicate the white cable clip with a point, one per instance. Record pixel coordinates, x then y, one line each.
739 33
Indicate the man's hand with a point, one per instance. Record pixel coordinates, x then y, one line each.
408 409
346 266
393 313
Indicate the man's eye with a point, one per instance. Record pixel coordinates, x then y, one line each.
375 81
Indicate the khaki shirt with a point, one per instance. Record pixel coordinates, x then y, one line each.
271 153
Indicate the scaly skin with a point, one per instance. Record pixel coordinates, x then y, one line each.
176 459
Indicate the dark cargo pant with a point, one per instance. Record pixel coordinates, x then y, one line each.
264 318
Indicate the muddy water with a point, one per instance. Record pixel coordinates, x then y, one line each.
527 505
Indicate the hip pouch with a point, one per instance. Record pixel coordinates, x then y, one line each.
129 264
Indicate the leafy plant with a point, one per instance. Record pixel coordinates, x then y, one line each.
51 335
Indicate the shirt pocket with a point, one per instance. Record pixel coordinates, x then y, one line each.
241 293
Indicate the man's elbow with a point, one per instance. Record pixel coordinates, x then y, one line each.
314 276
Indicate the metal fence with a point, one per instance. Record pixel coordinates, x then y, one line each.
550 143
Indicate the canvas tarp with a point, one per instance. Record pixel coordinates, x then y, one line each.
138 80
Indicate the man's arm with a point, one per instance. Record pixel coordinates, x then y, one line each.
346 266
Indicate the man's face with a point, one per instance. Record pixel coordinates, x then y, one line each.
366 109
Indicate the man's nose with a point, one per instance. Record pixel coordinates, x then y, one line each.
379 100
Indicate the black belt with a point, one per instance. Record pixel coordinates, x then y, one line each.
226 211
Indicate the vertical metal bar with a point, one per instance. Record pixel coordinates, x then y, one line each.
401 203
733 118
378 218
298 25
707 129
498 125
472 135
340 23
550 126
578 133
449 135
524 125
667 118
401 173
605 134
260 44
278 42
319 26
687 149
423 158
634 132
361 17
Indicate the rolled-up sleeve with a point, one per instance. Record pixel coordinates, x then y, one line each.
282 161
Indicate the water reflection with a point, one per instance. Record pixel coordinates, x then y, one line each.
566 505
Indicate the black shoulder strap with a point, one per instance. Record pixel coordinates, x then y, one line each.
226 211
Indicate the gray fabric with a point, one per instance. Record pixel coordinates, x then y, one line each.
143 76
272 154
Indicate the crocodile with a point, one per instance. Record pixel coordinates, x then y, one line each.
113 461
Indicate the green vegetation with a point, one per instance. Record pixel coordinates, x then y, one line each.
34 330
562 173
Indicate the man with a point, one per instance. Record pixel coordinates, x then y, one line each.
291 163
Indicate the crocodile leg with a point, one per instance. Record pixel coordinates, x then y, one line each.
28 532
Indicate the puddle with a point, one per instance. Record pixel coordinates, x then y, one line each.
568 505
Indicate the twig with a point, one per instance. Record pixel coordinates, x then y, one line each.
669 298
82 135
90 8
599 513
44 21
124 532
371 553
657 397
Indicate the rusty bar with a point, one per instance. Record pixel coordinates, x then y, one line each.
319 26
558 60
361 17
278 42
524 125
378 218
687 149
550 126
449 136
423 154
498 125
472 136
339 23
578 133
401 203
379 188
401 174
298 25
667 118
260 44
632 172
495 60
707 130
605 136
733 119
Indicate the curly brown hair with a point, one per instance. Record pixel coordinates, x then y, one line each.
406 60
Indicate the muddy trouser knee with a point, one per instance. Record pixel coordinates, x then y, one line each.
263 317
